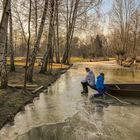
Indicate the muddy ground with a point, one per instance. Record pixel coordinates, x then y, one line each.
13 100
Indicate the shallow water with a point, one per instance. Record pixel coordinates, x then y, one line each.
63 114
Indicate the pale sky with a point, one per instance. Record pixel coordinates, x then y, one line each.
106 7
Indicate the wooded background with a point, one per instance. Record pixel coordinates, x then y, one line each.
56 30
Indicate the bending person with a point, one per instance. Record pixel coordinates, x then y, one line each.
89 81
100 85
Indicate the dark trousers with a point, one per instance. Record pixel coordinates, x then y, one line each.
100 92
85 86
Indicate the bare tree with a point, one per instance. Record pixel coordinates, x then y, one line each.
48 54
75 9
36 17
57 33
37 43
121 23
28 43
12 65
70 24
3 46
135 29
21 24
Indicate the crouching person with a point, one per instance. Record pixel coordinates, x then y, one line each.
100 85
89 81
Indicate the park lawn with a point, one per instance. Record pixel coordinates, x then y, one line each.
78 59
20 61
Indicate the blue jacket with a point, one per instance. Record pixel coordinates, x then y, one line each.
100 82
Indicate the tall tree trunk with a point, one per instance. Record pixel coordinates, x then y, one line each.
47 56
36 18
36 46
28 48
55 46
64 59
12 65
135 35
57 33
70 30
3 36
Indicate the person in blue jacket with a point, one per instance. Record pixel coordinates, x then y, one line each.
100 85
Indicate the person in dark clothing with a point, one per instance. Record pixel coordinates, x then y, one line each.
100 85
89 81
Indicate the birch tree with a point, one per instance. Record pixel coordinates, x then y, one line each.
37 43
48 54
3 46
28 43
57 49
12 65
36 17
